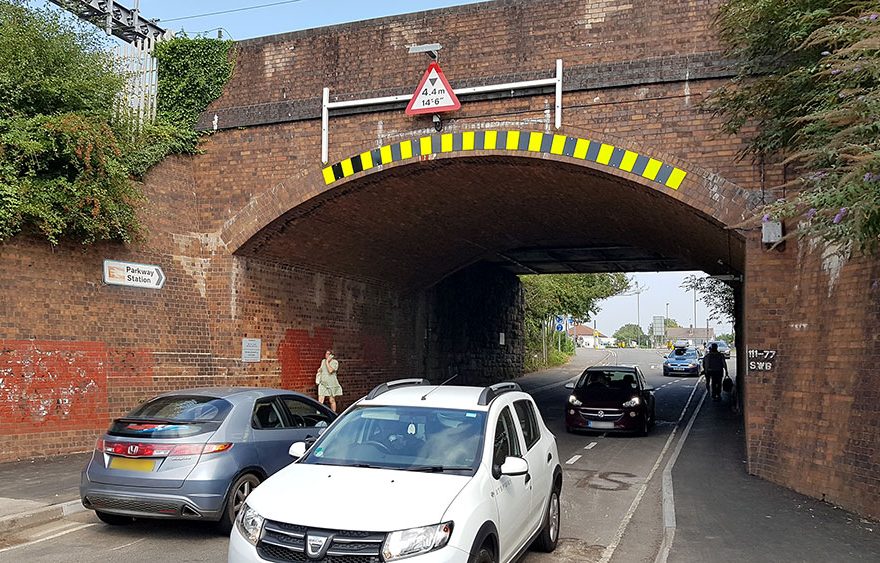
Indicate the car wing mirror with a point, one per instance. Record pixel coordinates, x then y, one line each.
514 466
569 385
649 388
297 449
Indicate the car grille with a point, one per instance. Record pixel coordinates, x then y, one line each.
608 415
133 505
287 542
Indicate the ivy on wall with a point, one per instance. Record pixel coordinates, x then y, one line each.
68 161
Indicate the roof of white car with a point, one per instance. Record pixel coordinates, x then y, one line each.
444 397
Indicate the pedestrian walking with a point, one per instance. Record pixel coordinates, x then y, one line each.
715 367
328 384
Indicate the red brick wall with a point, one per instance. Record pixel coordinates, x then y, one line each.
813 424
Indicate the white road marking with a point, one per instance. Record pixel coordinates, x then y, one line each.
53 529
608 552
590 446
52 537
128 544
573 459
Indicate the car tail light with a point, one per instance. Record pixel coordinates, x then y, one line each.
197 449
140 449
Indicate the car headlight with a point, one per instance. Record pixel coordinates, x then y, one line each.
574 401
634 402
416 541
250 524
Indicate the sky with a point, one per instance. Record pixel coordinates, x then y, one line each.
279 16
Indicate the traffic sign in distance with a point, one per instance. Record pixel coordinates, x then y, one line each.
434 94
560 327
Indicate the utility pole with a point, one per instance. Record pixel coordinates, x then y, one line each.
666 326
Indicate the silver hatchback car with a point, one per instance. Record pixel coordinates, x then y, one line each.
196 454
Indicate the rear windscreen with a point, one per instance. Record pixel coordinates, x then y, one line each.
173 417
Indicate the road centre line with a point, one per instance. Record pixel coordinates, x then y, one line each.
590 446
608 552
573 459
52 537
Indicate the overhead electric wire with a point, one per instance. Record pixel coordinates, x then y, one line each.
192 17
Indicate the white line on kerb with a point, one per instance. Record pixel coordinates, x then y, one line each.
573 459
668 496
52 537
590 446
608 552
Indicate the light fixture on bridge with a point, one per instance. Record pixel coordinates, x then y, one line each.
430 48
727 277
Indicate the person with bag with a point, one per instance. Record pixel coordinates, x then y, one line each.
715 367
328 384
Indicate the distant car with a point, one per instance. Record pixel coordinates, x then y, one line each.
683 361
723 347
196 454
610 398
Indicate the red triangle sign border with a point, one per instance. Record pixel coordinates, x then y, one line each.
410 110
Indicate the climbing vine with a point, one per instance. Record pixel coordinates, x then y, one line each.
808 94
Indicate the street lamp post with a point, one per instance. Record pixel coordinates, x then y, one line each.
666 326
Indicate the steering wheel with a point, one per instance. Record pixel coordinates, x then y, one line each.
378 445
297 420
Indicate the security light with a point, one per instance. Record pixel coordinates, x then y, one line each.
429 48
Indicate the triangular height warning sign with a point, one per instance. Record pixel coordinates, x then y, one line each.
434 94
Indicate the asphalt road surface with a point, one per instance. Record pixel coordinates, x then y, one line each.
611 511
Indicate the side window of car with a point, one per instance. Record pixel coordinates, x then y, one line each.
266 415
506 440
527 421
304 415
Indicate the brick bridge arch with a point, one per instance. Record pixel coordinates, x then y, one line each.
654 179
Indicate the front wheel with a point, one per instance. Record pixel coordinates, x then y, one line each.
549 535
237 495
485 555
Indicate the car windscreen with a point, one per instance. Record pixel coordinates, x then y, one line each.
621 380
403 437
680 354
175 416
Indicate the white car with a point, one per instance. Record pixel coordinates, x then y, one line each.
413 471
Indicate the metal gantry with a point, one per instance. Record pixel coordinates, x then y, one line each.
114 18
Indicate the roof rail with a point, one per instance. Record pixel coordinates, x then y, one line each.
492 391
387 386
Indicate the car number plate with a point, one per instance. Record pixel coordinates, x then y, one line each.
596 424
145 465
679 369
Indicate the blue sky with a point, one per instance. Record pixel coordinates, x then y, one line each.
290 16
278 16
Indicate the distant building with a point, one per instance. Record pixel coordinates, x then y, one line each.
699 336
586 337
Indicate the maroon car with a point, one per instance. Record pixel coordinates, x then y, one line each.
610 399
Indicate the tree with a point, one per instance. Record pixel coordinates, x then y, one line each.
717 295
575 295
629 333
807 94
729 338
672 323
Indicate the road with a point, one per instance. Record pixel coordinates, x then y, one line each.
611 510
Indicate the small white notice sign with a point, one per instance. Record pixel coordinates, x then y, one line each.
131 274
250 349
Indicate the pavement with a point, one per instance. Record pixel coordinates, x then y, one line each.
721 513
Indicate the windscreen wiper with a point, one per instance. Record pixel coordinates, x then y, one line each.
439 468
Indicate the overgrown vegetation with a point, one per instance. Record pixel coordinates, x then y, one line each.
69 157
807 94
548 296
716 294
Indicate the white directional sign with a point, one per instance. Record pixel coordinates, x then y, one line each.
434 94
134 275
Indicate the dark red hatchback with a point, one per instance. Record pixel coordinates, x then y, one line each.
610 399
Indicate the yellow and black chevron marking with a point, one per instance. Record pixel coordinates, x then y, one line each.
527 141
